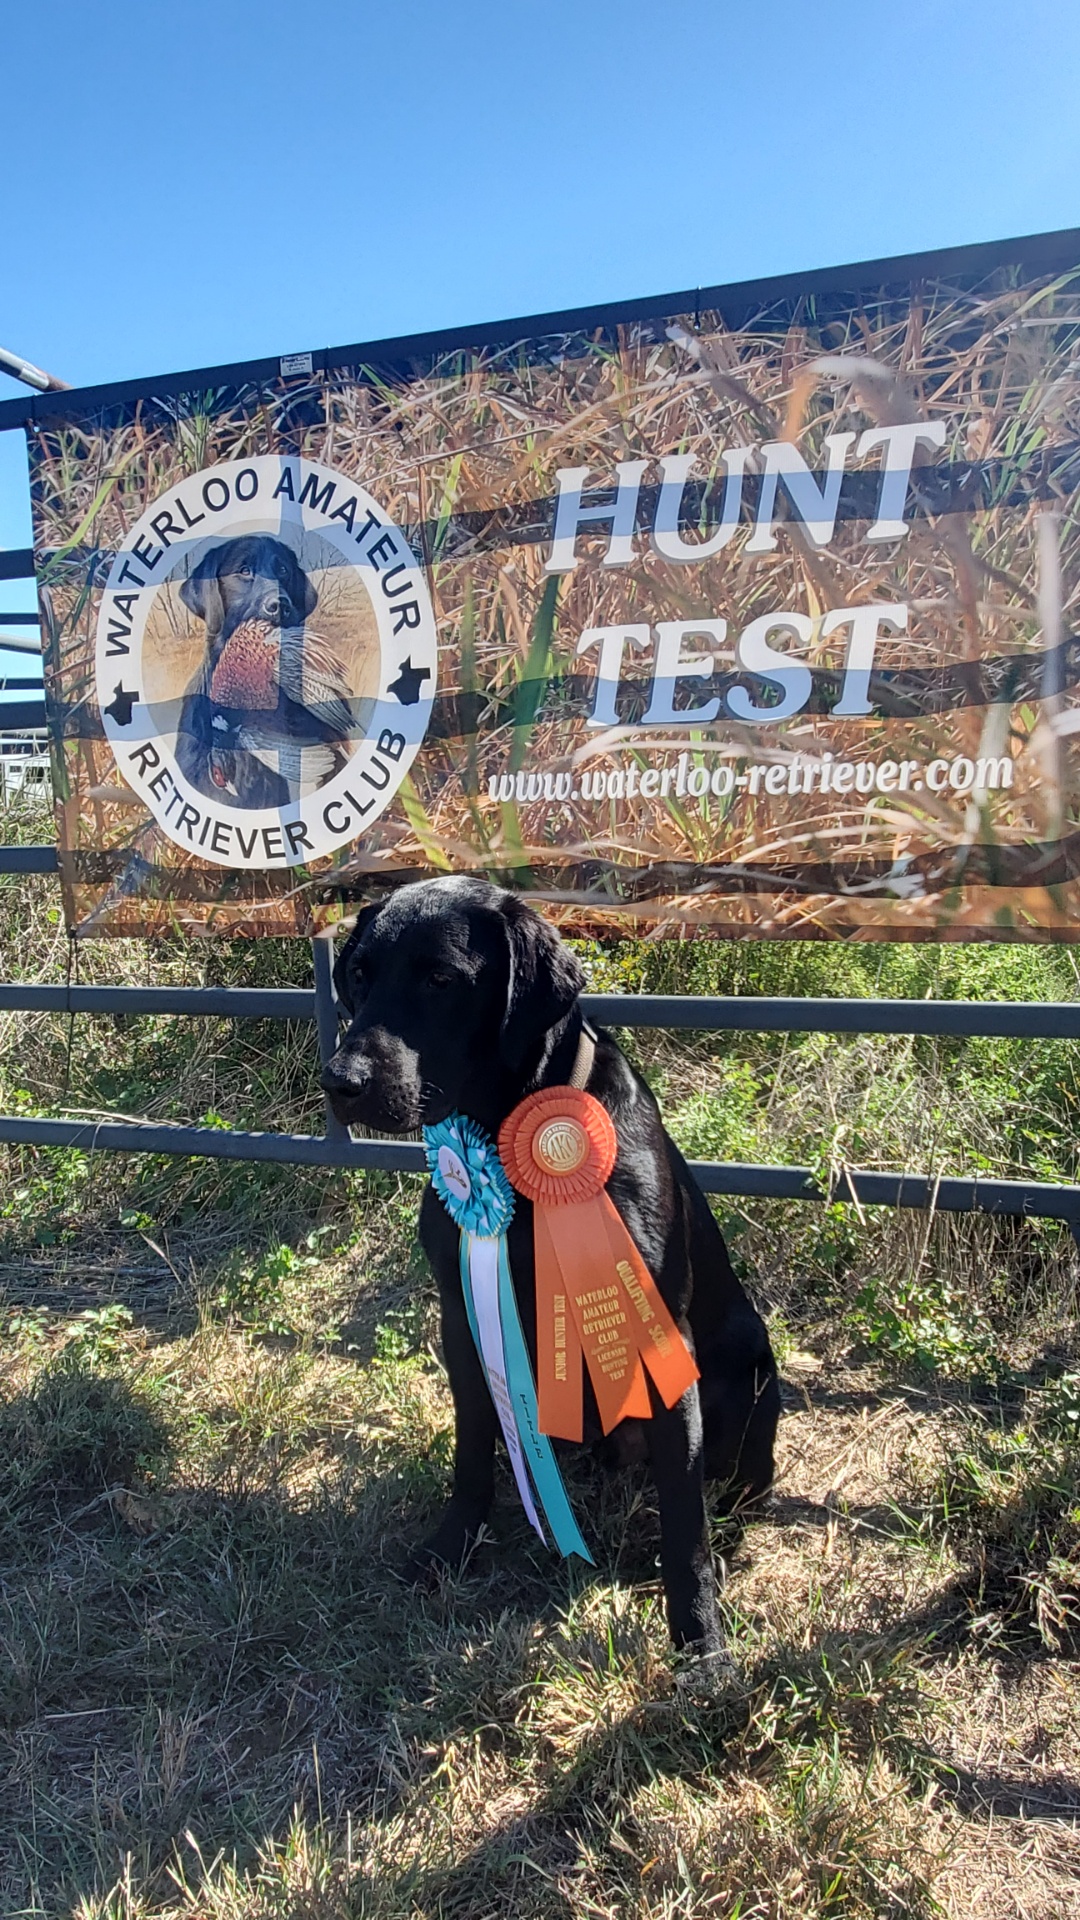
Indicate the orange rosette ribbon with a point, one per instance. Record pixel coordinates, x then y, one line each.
595 1298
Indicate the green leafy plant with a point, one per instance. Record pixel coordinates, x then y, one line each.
924 1322
257 1290
98 1336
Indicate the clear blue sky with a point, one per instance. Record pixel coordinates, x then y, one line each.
186 185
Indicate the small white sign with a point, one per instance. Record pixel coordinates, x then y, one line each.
295 363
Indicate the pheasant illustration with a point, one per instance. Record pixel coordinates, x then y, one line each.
280 711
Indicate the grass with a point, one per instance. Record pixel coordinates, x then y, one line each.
223 1421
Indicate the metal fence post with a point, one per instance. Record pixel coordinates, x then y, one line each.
326 1021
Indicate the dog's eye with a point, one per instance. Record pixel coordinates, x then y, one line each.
439 979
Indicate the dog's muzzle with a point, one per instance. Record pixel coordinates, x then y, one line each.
374 1082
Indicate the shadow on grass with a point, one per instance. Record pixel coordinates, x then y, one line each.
981 1792
188 1651
796 1710
177 1656
286 1255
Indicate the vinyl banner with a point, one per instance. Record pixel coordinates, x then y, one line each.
746 612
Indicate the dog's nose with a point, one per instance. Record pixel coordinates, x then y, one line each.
279 607
345 1075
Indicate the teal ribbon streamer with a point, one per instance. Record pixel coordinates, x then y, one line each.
470 1181
536 1446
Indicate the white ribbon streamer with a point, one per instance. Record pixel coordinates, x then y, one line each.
483 1257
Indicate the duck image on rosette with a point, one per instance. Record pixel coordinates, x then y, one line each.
275 647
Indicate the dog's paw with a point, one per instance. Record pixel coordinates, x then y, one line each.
441 1556
709 1677
422 1569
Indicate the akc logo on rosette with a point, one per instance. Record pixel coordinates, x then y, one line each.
266 661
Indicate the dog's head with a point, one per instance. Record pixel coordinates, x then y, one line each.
253 577
451 988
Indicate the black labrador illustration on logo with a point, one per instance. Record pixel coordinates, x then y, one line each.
268 693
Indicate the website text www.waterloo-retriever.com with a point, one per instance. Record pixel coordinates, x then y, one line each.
693 778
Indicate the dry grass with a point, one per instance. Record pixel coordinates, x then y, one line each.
218 1700
223 1421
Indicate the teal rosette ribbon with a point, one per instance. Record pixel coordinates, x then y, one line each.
468 1177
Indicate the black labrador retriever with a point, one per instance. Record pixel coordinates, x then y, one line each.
462 999
253 577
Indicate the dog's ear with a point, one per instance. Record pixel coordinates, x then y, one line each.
300 590
545 980
202 592
343 963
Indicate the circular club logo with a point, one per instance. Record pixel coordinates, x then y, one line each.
266 661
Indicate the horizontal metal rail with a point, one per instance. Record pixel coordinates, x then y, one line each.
1017 1197
237 1003
1004 1019
762 302
686 1012
215 1143
15 715
28 860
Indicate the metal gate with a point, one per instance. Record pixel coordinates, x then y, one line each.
335 1148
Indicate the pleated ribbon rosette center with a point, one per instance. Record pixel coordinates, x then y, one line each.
596 1300
469 1180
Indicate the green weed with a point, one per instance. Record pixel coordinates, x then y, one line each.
927 1324
1013 1484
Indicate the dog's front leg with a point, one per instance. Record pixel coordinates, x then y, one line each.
676 1455
475 1428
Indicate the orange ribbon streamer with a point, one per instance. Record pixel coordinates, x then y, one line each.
595 1298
